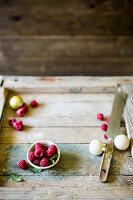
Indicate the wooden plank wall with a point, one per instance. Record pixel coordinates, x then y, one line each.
59 37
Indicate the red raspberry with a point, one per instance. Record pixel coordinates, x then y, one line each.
22 164
20 112
100 116
45 148
105 137
18 125
36 162
104 127
108 118
53 148
25 107
11 120
38 145
34 103
39 152
31 156
44 162
49 153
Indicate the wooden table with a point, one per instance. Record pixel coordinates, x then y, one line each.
66 115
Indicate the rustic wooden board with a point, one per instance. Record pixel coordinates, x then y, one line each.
81 84
62 110
76 174
70 188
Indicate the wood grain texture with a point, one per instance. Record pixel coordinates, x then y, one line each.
61 84
43 18
69 188
61 110
55 134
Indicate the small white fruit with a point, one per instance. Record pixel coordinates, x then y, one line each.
95 147
121 142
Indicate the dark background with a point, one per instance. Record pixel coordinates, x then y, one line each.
66 37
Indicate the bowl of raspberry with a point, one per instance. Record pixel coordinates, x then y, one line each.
43 155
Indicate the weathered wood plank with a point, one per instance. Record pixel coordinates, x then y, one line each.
37 48
3 98
44 18
74 8
68 188
65 84
62 110
128 88
57 135
75 160
67 66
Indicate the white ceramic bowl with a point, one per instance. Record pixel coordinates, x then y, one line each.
48 144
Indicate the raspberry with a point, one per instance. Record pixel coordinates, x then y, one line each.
100 116
38 145
49 153
108 118
39 152
22 164
20 112
105 137
45 148
36 162
34 103
104 127
53 148
44 162
11 120
18 125
31 156
25 108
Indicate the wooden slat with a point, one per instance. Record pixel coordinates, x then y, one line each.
65 84
62 110
38 48
44 18
67 66
57 135
75 160
74 8
68 188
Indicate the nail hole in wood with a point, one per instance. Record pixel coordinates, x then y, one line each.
15 18
92 5
15 80
104 171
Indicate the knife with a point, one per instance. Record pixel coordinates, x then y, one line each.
112 131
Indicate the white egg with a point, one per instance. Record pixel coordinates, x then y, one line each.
95 147
121 142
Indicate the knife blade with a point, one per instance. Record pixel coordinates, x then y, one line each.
112 132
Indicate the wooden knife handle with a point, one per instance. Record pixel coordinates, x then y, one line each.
106 161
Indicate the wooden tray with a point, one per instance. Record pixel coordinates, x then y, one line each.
66 115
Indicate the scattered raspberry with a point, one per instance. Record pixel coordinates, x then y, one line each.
36 162
20 112
25 108
18 125
100 116
108 118
49 153
22 164
39 152
104 127
11 120
52 148
34 103
44 162
105 137
31 156
38 145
